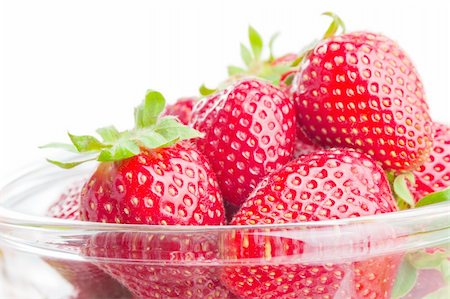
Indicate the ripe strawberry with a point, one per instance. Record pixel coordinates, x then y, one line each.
434 174
165 186
149 176
150 280
331 184
182 109
360 90
68 204
249 132
87 279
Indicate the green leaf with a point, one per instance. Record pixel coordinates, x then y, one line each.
147 113
86 143
172 130
150 132
406 279
436 197
205 91
273 73
439 294
297 61
109 134
271 42
152 139
63 146
256 42
234 70
120 151
401 189
246 55
336 23
289 79
68 165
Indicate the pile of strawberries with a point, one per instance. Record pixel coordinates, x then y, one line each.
340 130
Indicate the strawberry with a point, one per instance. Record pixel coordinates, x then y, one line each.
360 90
148 280
182 109
68 204
87 279
150 176
434 174
164 186
249 132
330 184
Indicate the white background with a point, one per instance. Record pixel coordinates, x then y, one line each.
79 65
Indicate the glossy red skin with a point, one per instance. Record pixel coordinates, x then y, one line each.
249 132
167 186
68 204
434 174
331 184
87 279
182 109
360 90
153 281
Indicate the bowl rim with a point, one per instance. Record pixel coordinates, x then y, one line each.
15 218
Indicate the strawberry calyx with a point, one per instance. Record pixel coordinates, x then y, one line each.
401 188
336 24
151 131
255 66
277 70
402 193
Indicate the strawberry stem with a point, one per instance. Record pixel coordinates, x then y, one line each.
334 26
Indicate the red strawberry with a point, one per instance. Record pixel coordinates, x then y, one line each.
331 184
149 176
87 279
182 109
150 280
434 174
168 186
249 132
68 204
360 90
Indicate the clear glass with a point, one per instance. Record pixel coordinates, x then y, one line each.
50 258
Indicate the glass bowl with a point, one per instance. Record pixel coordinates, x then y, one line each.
397 255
